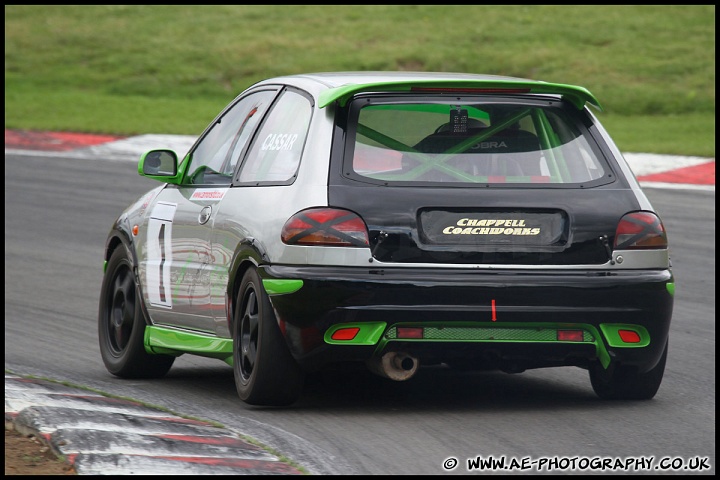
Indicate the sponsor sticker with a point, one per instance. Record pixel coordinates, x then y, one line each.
473 226
443 227
213 194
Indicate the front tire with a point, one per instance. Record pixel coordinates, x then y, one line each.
121 326
626 383
265 371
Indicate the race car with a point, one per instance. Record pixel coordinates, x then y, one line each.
397 220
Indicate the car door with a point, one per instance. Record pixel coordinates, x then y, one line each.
179 224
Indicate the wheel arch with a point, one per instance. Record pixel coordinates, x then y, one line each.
248 254
121 237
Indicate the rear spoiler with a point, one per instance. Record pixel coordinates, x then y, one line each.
576 95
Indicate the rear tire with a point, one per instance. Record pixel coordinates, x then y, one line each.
121 325
626 383
265 371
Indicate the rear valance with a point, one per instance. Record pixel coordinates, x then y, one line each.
576 95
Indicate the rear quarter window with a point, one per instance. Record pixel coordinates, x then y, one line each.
275 154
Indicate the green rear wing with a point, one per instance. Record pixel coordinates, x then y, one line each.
576 95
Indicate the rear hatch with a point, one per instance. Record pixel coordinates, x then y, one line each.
477 180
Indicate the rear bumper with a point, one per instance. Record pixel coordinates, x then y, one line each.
503 318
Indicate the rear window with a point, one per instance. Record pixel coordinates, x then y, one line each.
470 141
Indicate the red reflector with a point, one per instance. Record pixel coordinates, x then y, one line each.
345 333
570 335
629 336
409 332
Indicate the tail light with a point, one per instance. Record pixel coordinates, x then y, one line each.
333 227
640 230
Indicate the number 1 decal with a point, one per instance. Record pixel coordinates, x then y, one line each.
159 254
162 264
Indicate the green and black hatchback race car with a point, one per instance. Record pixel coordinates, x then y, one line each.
394 219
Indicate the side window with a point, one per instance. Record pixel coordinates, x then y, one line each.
275 153
214 158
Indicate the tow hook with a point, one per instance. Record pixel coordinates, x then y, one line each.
606 244
380 238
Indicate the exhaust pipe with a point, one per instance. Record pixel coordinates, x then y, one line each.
398 366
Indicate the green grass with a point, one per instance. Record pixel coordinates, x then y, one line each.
136 69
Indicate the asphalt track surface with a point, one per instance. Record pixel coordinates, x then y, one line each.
103 435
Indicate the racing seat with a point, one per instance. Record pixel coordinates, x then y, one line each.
510 152
442 139
518 147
